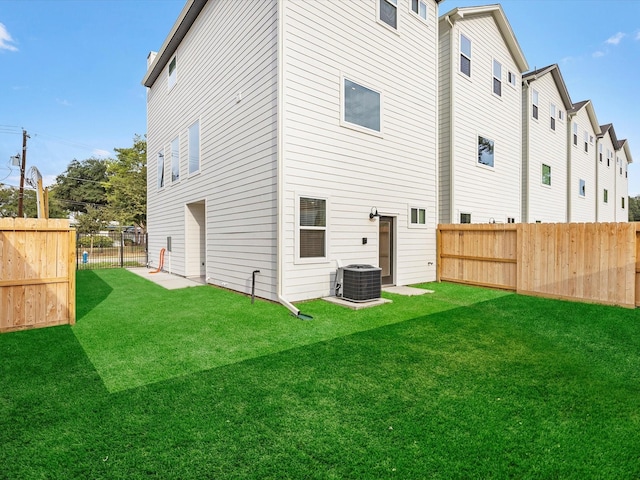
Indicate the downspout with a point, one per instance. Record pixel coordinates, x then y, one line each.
280 166
526 214
452 72
570 117
598 140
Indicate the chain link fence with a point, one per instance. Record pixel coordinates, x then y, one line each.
112 249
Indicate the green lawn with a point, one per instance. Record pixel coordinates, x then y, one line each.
199 383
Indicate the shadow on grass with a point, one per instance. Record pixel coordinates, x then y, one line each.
94 291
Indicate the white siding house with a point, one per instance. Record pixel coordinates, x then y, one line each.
623 159
480 102
545 101
582 127
291 122
607 197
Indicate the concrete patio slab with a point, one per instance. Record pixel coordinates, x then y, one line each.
168 280
410 291
356 305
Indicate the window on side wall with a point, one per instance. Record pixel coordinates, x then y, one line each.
485 151
575 134
586 141
546 174
194 147
171 81
465 218
605 196
313 227
512 79
465 55
582 188
552 116
160 170
361 106
388 12
600 153
419 7
418 216
497 78
622 198
534 103
175 160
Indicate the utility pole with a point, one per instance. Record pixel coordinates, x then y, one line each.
22 169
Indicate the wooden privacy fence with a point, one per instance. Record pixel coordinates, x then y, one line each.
592 262
37 273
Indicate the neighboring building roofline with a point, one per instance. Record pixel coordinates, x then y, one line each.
612 132
624 145
180 28
591 112
557 77
503 25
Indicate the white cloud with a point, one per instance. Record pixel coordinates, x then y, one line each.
63 102
6 40
598 54
615 40
100 153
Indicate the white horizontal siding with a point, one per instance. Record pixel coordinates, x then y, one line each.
607 180
488 194
230 49
622 188
444 127
583 166
549 147
355 170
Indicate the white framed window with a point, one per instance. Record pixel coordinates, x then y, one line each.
600 148
511 220
605 196
622 198
497 78
194 147
609 155
465 217
160 161
361 107
175 160
388 13
173 73
417 217
546 175
465 55
419 8
575 134
512 79
311 213
582 188
534 103
561 115
552 116
486 150
586 141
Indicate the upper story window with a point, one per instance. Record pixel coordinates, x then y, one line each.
552 116
465 55
485 151
312 228
609 155
586 141
172 73
511 77
160 170
582 188
418 216
175 160
534 103
194 147
497 78
560 115
362 106
388 12
622 198
419 7
575 134
465 218
605 196
600 153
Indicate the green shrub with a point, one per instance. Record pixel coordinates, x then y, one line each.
99 241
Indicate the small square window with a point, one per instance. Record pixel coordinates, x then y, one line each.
388 12
546 174
465 218
419 7
512 79
511 220
465 55
418 216
485 151
560 115
582 188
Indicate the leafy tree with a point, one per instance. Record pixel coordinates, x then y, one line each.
9 202
82 184
91 222
634 209
127 184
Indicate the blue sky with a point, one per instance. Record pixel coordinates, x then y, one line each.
71 69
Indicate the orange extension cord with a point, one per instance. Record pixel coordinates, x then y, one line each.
161 263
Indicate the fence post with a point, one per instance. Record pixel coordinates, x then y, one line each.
121 249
